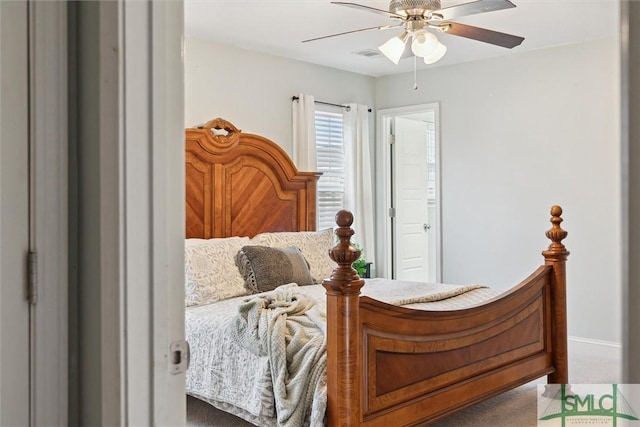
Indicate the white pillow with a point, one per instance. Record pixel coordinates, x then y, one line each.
314 245
195 242
210 272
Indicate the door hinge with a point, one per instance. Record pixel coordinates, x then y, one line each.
179 354
32 279
391 140
392 212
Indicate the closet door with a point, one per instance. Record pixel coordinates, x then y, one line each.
411 192
48 206
14 215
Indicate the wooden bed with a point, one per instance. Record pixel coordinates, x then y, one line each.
386 365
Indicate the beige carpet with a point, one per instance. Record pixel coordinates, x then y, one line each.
514 408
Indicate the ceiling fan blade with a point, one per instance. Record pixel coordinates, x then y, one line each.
380 27
368 8
472 8
481 34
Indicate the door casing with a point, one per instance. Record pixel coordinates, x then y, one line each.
384 176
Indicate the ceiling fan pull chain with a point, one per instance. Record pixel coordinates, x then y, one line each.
415 76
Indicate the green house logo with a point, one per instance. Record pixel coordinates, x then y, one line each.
594 405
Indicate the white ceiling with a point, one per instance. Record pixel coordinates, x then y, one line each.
278 27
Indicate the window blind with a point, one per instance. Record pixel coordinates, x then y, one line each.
330 158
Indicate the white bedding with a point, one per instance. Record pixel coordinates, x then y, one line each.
231 378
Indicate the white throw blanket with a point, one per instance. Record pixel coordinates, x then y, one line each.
288 328
405 292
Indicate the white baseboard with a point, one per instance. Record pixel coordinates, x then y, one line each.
587 346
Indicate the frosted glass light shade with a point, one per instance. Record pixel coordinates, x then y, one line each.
436 55
394 48
424 44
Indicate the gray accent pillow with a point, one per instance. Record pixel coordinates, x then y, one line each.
264 268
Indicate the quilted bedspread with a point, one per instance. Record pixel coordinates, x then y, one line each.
233 368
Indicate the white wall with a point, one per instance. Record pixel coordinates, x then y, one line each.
519 134
253 91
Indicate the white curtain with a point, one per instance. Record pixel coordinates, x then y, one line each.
304 133
358 176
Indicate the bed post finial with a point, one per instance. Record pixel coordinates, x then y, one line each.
556 234
556 256
343 253
343 317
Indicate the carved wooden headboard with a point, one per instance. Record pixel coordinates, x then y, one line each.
239 184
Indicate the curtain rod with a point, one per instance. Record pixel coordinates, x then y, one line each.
348 108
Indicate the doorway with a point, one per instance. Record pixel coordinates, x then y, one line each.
410 200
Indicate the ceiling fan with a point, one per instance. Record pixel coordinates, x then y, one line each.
417 17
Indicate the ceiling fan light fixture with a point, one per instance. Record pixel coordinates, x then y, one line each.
394 47
424 44
436 55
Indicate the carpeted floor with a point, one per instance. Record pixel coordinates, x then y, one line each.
514 408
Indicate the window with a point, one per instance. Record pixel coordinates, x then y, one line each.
330 158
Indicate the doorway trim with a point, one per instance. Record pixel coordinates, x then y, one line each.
384 185
130 231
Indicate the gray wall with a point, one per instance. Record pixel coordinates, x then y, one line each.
631 186
512 128
519 134
253 91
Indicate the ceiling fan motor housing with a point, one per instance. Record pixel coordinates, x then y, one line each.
413 7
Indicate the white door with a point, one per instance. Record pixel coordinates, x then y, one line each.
408 193
414 227
14 215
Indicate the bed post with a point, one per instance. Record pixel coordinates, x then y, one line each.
343 341
556 256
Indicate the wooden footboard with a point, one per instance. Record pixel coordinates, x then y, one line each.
389 365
